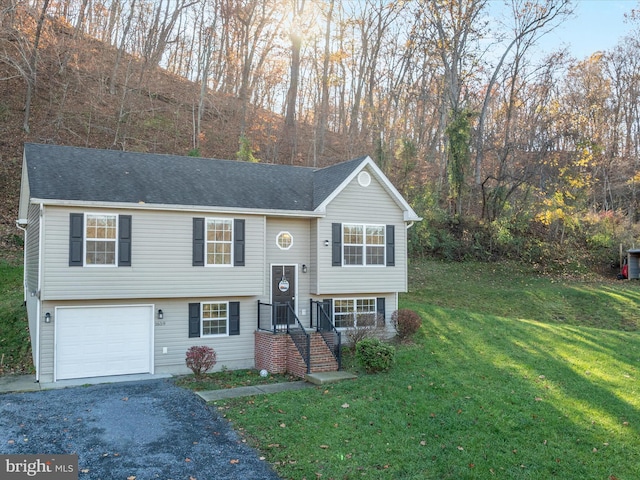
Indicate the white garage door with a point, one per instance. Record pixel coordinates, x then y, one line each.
100 341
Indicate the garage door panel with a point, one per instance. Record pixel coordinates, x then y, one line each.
100 341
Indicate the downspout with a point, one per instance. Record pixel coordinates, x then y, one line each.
24 264
39 295
406 262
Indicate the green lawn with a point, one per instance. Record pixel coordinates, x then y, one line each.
15 348
504 381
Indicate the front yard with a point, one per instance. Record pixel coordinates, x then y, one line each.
480 395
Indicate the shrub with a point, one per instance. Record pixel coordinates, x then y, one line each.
374 355
368 326
406 322
200 359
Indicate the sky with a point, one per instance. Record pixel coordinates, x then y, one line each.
596 25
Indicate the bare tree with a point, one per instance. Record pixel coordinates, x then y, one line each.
33 66
531 20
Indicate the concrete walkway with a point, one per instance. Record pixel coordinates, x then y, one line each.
226 393
27 383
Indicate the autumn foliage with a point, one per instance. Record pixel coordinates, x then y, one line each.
200 359
406 323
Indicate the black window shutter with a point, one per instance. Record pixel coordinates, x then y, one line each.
198 242
234 318
124 241
194 320
391 246
327 307
380 308
336 244
238 242
76 239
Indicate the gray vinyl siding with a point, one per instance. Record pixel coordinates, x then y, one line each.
298 255
233 352
161 260
172 332
32 257
32 249
363 205
46 343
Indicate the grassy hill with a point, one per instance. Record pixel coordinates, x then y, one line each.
513 375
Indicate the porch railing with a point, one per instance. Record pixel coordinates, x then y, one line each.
330 334
274 317
283 319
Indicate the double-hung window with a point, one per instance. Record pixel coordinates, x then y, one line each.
363 244
215 318
347 312
219 241
101 239
211 319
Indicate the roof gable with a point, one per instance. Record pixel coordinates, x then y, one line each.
350 174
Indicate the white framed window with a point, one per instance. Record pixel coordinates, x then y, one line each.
214 317
284 240
101 239
363 244
219 241
347 311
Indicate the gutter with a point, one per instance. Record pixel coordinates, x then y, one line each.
180 208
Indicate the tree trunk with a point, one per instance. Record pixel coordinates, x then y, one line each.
33 66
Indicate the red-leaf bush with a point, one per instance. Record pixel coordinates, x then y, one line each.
406 322
201 359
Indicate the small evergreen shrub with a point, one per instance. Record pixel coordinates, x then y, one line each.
375 356
200 359
406 322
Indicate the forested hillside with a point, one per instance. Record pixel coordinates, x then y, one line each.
504 152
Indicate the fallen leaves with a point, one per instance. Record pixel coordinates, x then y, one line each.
234 461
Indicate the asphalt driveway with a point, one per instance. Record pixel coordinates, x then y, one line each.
147 430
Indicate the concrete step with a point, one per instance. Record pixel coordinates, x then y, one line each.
322 378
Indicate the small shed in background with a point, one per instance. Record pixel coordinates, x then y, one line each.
633 260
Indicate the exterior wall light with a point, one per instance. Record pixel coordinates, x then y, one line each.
326 243
304 268
47 317
160 314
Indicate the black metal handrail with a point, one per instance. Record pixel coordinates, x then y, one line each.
300 337
271 323
283 319
330 334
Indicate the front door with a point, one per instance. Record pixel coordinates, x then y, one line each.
283 283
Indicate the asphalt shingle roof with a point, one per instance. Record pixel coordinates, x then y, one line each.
85 174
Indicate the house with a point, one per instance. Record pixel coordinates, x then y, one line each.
132 258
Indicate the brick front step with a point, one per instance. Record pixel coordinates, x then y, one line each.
277 353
